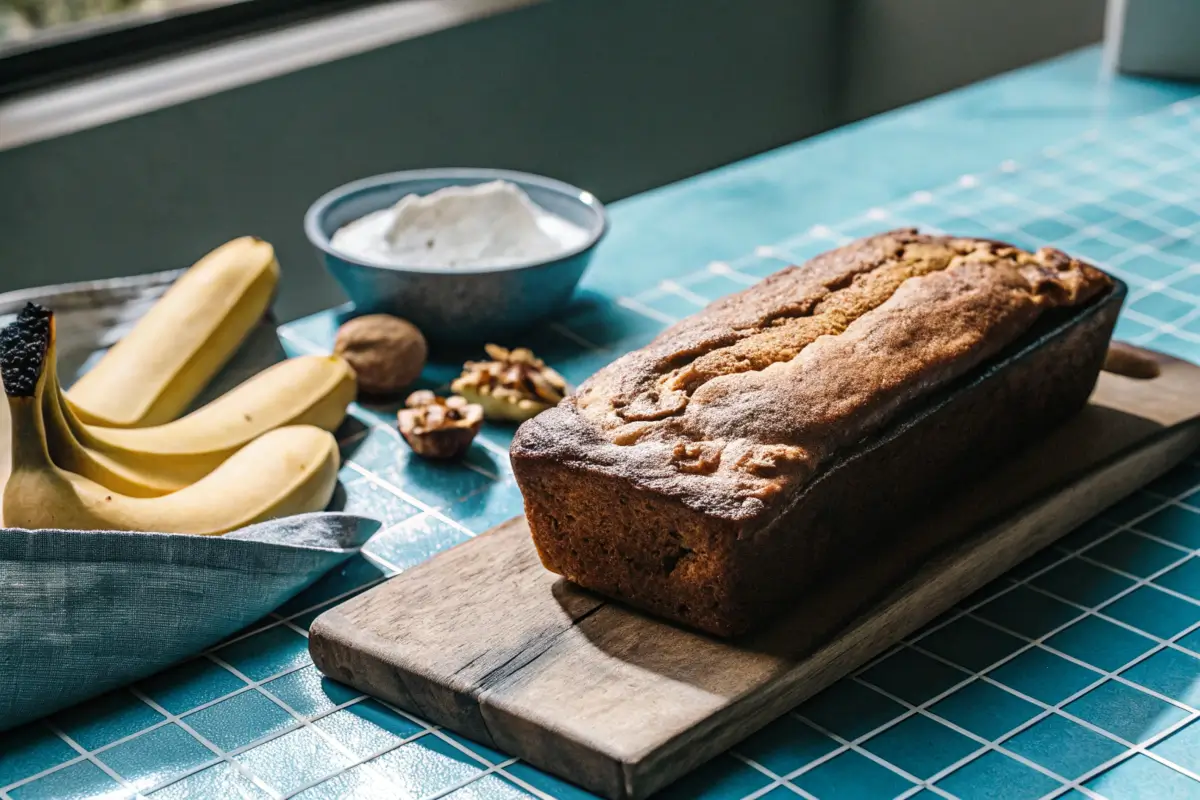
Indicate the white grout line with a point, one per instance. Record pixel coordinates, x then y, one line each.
88 756
408 498
304 722
222 756
645 310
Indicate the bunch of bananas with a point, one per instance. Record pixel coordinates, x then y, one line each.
113 453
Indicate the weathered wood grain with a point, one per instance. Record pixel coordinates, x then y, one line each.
483 640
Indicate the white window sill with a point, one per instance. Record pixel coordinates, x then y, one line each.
61 110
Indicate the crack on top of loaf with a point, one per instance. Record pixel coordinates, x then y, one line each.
781 334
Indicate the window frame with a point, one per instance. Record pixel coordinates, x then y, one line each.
91 48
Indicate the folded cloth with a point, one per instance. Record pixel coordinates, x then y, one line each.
83 612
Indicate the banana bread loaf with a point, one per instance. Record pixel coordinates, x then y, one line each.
713 475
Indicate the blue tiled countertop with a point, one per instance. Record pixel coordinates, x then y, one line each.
1077 675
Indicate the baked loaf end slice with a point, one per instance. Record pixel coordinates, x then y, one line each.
714 475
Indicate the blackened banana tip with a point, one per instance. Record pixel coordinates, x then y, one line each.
23 346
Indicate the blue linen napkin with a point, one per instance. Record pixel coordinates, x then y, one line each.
83 612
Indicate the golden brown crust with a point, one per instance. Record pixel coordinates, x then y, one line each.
735 409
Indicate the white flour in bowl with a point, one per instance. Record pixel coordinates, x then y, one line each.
486 225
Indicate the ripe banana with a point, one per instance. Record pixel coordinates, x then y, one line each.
156 371
148 462
289 470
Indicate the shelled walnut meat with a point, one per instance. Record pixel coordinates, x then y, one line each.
439 427
387 353
513 386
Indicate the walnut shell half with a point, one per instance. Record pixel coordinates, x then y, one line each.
438 427
515 385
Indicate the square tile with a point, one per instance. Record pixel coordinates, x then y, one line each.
309 693
985 710
157 756
1143 778
971 644
1179 216
921 746
106 719
1175 523
1087 533
1133 553
1130 330
556 788
360 783
29 750
1183 247
1132 507
1083 583
192 683
1100 643
486 509
1169 343
414 541
1045 230
1171 673
995 775
1138 231
352 574
80 781
366 728
614 327
294 760
721 778
434 483
267 653
1191 642
1126 712
1184 579
425 766
1044 676
220 780
1182 747
1064 747
1149 266
851 776
786 745
1091 213
1154 611
850 709
1097 250
1040 561
913 677
368 499
1028 613
489 787
481 752
240 720
672 305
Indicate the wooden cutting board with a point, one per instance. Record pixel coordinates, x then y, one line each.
484 641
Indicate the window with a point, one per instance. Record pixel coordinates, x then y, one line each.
48 41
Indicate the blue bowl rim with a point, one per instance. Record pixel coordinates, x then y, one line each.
320 240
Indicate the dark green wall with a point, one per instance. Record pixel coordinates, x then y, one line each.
615 95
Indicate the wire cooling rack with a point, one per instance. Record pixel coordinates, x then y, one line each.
1076 675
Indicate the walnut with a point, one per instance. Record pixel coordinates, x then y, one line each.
386 353
513 386
437 427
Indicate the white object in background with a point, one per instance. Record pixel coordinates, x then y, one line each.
491 224
1154 37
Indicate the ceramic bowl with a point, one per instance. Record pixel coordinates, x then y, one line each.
461 305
